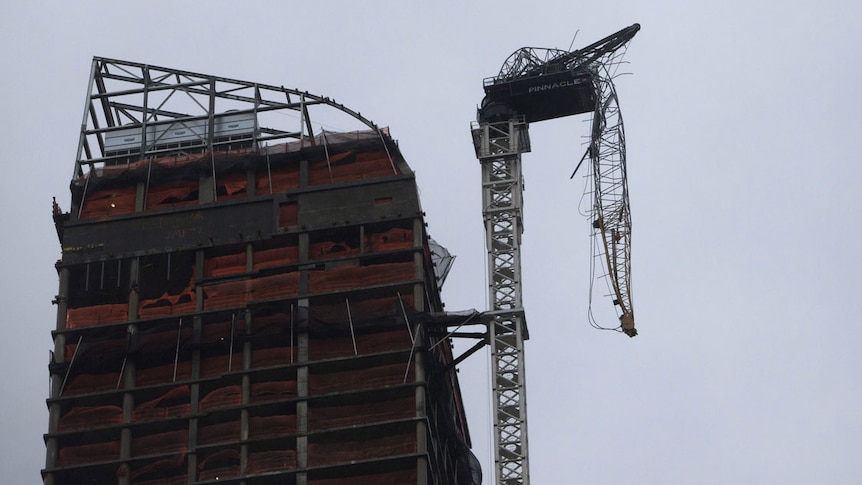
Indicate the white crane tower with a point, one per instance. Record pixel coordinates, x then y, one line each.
536 85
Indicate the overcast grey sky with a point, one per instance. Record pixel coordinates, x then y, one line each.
743 128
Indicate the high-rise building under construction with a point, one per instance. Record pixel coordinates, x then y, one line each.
244 303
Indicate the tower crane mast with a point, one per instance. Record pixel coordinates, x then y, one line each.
535 85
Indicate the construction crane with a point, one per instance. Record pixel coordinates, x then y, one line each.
533 85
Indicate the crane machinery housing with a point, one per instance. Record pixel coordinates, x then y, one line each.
537 84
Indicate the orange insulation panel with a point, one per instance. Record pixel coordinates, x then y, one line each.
109 202
350 277
223 397
320 454
266 461
90 417
96 315
268 258
322 418
373 377
77 455
268 426
391 240
332 347
173 403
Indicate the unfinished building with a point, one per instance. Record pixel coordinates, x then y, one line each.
243 303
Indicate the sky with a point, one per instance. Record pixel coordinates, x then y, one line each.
743 127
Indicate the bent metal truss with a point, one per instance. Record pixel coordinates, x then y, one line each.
535 85
136 110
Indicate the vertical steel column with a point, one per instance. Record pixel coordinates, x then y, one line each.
499 146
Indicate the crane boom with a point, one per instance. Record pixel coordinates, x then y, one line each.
535 85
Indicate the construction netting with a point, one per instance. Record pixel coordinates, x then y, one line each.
277 179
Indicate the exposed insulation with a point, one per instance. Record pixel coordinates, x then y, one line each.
332 347
161 374
96 315
168 442
264 461
217 365
76 455
341 451
354 379
268 258
322 418
288 215
272 391
238 293
347 167
218 433
271 357
360 310
282 178
173 403
88 383
172 194
168 305
268 426
109 202
232 186
331 249
347 277
90 417
223 397
166 471
390 240
221 464
225 265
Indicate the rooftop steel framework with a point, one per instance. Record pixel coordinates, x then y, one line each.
147 102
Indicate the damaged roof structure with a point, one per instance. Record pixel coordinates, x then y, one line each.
240 302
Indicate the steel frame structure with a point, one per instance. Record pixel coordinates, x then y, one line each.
125 95
499 146
536 84
612 224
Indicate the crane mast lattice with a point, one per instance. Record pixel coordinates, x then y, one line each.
536 85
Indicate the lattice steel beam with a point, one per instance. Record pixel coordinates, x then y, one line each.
499 146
